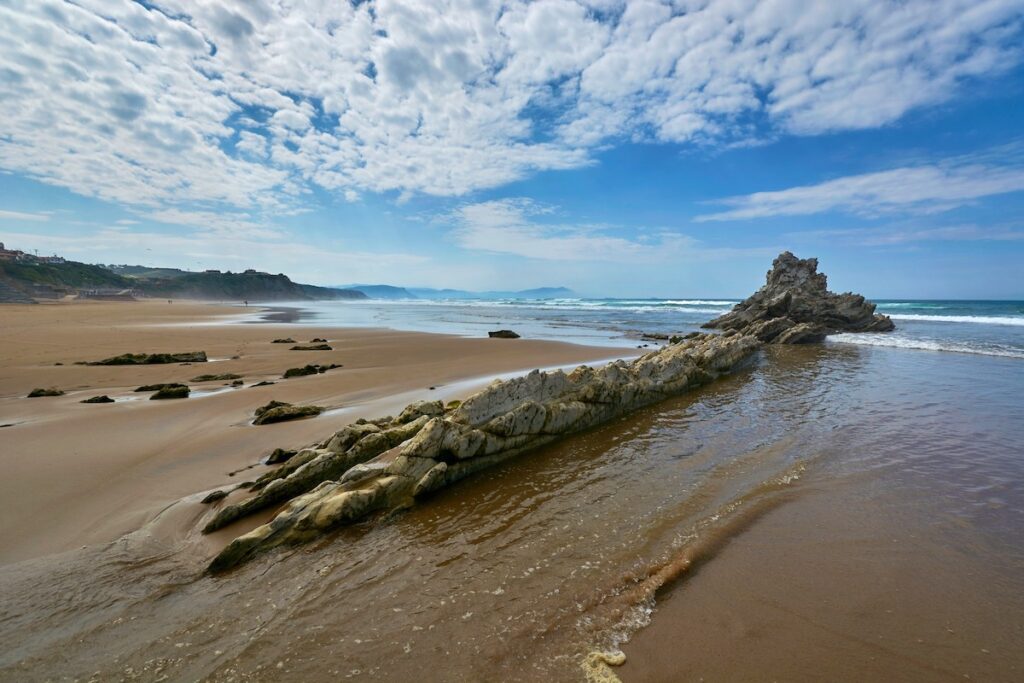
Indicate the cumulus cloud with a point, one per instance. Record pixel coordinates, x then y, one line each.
247 104
930 188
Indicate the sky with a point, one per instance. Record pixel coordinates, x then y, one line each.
620 149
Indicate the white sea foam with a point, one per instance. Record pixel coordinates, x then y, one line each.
896 341
975 319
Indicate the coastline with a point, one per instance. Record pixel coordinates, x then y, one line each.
87 474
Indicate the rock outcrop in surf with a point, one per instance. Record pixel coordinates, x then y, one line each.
387 464
795 307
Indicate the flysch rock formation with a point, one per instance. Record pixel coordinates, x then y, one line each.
795 307
386 464
372 466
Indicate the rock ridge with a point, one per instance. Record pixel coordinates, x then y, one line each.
795 307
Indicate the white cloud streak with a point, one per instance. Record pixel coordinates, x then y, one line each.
23 216
246 105
913 189
521 227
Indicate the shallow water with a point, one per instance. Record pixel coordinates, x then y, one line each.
518 572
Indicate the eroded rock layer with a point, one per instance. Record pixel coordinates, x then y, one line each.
386 464
795 307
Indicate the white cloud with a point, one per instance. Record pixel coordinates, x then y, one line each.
913 189
523 228
898 235
23 216
246 104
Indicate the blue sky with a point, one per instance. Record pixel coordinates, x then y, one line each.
627 149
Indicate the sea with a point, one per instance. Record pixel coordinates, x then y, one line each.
994 328
850 511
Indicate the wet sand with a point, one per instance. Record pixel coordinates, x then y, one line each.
83 474
830 513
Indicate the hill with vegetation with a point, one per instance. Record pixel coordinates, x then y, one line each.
36 278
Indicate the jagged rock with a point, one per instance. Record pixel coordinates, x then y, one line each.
402 461
311 347
213 497
277 411
38 393
216 378
180 391
285 340
159 387
280 455
152 358
98 399
795 307
314 369
503 334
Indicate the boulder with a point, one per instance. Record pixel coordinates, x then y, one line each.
276 411
38 393
795 307
169 392
98 399
503 334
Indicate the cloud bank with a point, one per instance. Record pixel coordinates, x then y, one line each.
248 105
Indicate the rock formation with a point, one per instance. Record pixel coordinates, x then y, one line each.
170 392
311 347
98 399
278 411
503 334
38 393
795 307
152 358
386 464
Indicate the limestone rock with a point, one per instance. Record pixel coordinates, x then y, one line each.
385 464
169 392
277 411
153 358
98 399
38 393
795 307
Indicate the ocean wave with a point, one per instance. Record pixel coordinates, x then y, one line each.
895 341
975 319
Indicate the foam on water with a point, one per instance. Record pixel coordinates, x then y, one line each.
971 319
902 342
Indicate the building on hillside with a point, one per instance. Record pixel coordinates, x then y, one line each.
13 254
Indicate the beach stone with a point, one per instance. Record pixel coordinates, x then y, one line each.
795 307
39 393
160 387
277 411
98 399
216 378
180 391
284 340
214 497
503 334
311 347
279 456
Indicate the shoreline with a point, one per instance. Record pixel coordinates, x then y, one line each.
118 465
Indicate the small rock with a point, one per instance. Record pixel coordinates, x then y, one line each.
285 340
98 399
180 391
311 347
214 497
37 393
503 334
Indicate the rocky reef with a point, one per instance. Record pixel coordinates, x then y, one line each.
152 358
795 307
387 464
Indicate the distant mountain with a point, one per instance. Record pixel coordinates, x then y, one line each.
537 293
381 291
45 279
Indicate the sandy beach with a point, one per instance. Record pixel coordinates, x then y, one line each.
85 474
